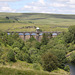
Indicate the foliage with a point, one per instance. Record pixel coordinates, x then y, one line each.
11 56
36 66
11 71
44 40
70 35
67 68
59 53
49 52
49 61
73 57
31 39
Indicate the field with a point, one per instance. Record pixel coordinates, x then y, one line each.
29 22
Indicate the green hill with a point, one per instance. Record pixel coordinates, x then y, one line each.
46 22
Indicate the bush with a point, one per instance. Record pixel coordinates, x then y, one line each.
49 61
67 68
11 56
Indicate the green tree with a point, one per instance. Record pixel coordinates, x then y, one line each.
15 35
70 35
17 44
11 56
31 39
49 61
37 45
45 39
67 68
73 57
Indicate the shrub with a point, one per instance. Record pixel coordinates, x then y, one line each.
49 61
67 68
11 56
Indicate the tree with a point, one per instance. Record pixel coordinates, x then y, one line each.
72 29
45 39
67 68
73 57
10 41
37 45
17 44
59 53
7 17
11 56
70 35
49 61
31 39
15 36
23 56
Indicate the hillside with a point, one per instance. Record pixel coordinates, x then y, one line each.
23 68
46 22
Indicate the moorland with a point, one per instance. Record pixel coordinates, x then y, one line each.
47 57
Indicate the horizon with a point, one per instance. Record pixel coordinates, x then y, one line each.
38 6
35 13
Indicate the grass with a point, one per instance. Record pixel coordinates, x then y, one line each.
24 68
11 71
46 22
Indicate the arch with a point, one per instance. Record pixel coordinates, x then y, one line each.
41 34
27 33
54 34
33 34
21 34
8 33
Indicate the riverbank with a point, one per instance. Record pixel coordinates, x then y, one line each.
72 68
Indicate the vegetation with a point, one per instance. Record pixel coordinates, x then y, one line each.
45 57
49 62
29 21
67 68
12 71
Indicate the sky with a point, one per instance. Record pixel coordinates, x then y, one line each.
38 6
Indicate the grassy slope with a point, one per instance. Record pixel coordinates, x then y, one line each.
11 71
23 68
47 22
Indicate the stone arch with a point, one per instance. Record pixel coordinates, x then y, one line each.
27 36
21 35
54 34
34 35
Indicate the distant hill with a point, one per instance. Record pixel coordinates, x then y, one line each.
53 22
32 16
21 17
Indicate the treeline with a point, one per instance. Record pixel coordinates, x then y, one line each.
50 53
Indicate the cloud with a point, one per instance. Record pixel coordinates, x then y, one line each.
58 5
66 1
41 1
38 7
71 1
9 0
4 7
7 9
41 6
